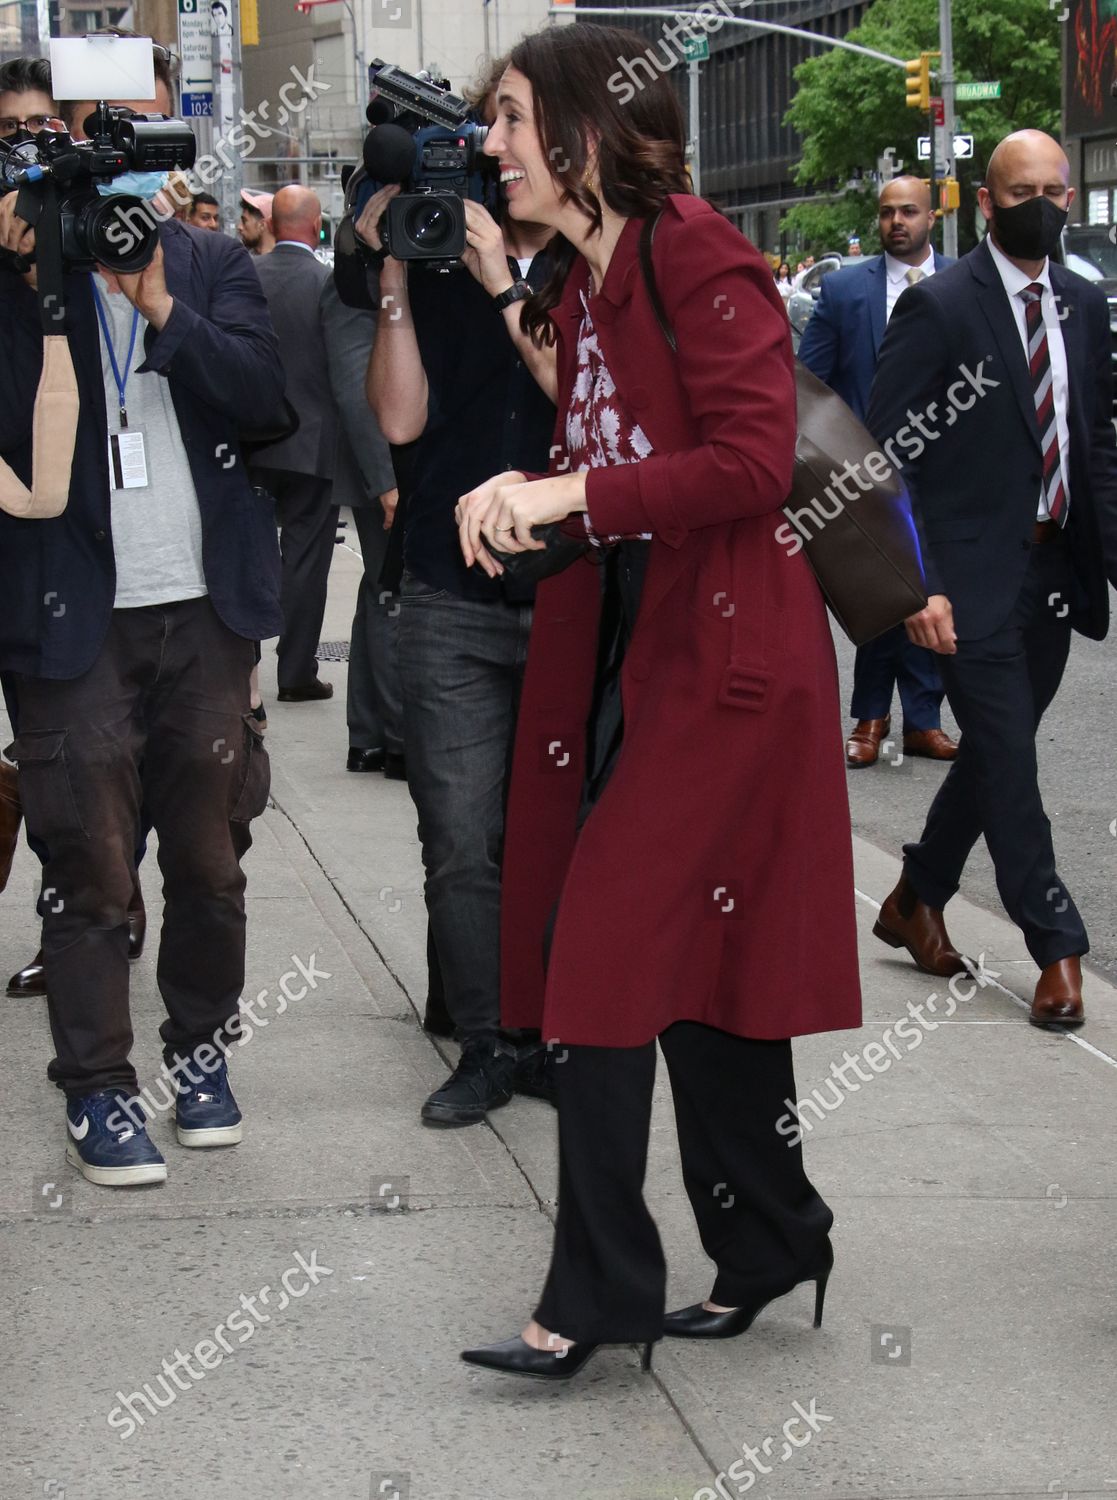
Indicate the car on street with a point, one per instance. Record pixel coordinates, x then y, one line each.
801 304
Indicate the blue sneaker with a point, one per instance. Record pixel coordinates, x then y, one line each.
108 1140
207 1113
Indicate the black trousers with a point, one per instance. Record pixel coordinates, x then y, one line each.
374 696
999 689
307 531
760 1220
160 719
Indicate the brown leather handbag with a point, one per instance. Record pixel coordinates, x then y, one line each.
864 552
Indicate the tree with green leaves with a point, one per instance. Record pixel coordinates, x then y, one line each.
848 109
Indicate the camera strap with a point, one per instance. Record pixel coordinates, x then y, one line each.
57 403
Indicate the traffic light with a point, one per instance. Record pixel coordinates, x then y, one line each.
918 85
950 195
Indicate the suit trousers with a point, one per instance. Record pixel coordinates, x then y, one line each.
160 719
999 689
760 1220
307 532
893 661
374 700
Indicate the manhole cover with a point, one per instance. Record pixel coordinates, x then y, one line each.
333 651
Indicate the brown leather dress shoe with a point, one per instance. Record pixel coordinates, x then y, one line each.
11 813
309 692
863 745
907 922
1058 998
933 744
32 980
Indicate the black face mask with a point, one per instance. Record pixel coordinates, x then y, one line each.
1029 230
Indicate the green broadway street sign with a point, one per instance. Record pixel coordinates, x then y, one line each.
972 91
696 49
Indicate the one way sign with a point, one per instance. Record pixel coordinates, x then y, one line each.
963 147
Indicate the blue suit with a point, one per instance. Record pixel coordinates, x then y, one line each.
841 346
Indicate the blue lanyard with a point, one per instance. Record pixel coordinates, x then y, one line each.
121 381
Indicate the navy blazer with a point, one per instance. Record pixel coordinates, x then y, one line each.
219 353
842 340
953 359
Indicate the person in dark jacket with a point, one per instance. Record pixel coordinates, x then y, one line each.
995 383
127 633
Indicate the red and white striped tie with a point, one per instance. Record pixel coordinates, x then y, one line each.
1043 389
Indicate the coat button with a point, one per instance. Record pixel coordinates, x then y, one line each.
638 669
99 536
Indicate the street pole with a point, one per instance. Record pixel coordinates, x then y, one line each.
946 84
693 127
933 128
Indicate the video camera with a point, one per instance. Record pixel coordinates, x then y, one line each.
422 137
58 177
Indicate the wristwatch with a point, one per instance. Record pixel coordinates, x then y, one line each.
515 293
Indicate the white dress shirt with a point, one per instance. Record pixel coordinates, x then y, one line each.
1015 281
897 273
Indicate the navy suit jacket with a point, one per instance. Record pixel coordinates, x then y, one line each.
953 357
220 356
842 340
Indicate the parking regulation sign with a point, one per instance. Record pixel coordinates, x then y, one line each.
195 45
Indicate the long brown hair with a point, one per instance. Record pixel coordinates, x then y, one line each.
582 82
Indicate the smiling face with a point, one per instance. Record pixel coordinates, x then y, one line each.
531 189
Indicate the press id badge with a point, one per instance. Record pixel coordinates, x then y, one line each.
128 459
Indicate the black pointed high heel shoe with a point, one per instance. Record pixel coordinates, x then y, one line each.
515 1357
697 1322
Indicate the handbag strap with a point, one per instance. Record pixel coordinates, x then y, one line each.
735 688
647 268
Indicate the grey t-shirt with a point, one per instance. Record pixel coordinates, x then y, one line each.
157 531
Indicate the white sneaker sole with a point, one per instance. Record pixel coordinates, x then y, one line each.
224 1135
153 1171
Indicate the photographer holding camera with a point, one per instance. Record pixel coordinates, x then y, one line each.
444 368
128 627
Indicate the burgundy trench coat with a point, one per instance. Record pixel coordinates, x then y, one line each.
713 881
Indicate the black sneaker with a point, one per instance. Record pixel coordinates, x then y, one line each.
481 1081
534 1073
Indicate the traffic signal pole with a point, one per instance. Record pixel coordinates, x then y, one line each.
946 84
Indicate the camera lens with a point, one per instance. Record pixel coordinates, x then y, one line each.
119 232
430 227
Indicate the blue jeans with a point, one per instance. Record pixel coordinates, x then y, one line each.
461 665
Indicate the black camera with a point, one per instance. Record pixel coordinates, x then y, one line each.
55 174
422 137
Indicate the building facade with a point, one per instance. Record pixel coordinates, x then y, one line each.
748 155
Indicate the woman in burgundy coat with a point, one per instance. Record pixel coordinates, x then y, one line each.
677 862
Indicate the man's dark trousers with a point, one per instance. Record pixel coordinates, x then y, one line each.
374 702
999 689
307 532
892 662
462 664
160 718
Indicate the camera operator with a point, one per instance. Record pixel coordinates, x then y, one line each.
26 105
445 368
128 629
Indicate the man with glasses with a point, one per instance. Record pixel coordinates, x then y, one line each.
26 106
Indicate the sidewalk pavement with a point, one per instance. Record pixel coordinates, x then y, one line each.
968 1344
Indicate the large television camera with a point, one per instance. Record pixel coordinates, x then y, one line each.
424 138
60 180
